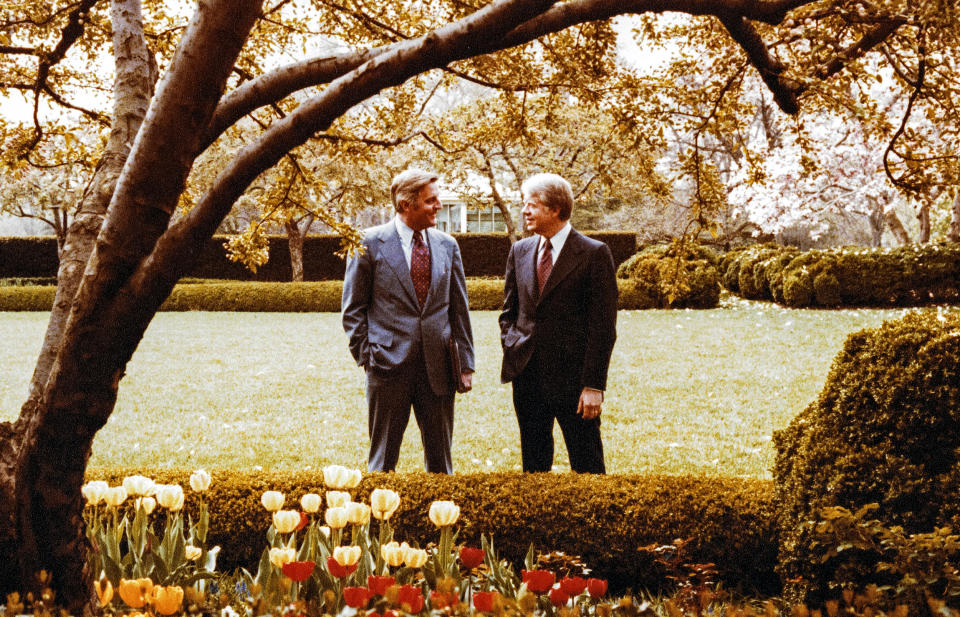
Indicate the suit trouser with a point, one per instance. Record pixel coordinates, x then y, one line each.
389 398
536 409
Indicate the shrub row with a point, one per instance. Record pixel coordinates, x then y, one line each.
678 275
316 296
885 430
483 255
904 276
603 519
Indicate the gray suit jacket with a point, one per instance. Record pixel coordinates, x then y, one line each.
382 317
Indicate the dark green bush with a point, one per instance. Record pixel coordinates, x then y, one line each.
885 429
672 276
604 519
28 256
740 262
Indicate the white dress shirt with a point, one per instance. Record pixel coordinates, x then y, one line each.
406 239
556 243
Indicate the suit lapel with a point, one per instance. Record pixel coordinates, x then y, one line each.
526 261
438 262
393 253
568 260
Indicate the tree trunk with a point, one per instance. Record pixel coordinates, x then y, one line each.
954 234
295 246
896 227
924 217
498 201
136 75
46 450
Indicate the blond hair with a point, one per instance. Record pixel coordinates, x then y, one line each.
406 186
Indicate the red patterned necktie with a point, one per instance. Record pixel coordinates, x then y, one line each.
420 267
544 266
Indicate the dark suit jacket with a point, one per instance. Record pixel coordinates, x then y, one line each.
571 326
381 315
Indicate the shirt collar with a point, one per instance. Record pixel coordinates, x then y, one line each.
406 233
557 241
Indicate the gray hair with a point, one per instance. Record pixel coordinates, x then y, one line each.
552 191
407 184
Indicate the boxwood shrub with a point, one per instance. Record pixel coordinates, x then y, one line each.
603 519
317 296
886 430
672 276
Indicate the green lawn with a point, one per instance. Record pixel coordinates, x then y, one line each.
689 391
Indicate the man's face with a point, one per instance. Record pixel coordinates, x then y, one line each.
539 218
423 212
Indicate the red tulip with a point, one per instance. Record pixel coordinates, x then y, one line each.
356 597
304 519
471 557
339 571
538 581
440 600
298 570
483 601
379 584
410 599
597 587
559 597
573 585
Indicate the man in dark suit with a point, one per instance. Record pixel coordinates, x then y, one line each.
404 298
557 328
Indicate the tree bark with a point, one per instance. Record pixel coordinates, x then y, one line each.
954 234
923 215
295 246
896 227
498 201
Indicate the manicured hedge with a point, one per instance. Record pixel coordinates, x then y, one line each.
904 276
483 255
604 519
885 430
672 276
316 296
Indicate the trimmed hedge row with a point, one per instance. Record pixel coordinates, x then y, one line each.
905 276
885 430
483 255
316 296
603 519
673 276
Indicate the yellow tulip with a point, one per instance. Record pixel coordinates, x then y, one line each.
272 500
310 502
170 496
166 600
134 592
200 480
347 555
104 589
280 556
192 553
115 495
394 554
337 499
147 503
444 513
286 521
324 530
358 513
353 478
94 491
415 557
139 485
383 503
336 518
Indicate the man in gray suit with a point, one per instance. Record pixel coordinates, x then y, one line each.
404 299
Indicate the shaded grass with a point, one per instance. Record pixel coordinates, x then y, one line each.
695 392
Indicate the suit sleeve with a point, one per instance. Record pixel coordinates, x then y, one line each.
602 321
357 292
511 298
460 311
